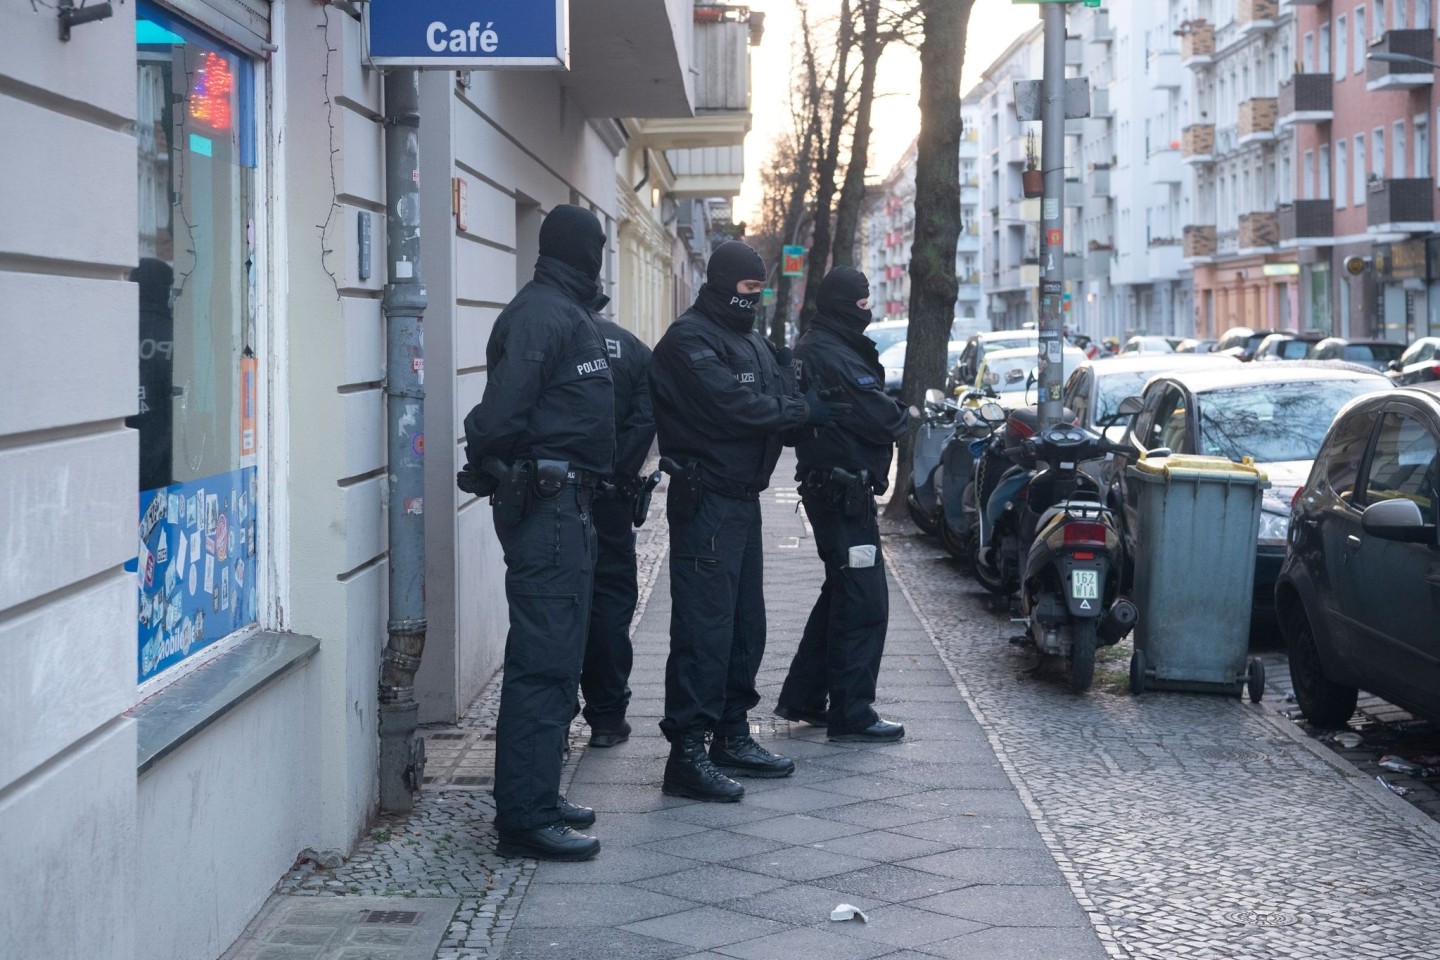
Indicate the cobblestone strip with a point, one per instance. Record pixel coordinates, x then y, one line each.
1052 843
446 845
1190 825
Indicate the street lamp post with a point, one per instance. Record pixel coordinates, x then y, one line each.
1403 58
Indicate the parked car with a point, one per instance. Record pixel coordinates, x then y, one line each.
1148 345
1005 374
973 353
1275 413
1094 390
1241 342
893 360
1359 594
1286 346
1195 345
1375 354
1420 363
887 333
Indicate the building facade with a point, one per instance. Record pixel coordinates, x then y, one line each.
194 601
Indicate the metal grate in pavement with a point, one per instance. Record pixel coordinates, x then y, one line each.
346 928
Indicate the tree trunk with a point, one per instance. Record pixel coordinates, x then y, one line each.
937 216
852 193
819 258
800 183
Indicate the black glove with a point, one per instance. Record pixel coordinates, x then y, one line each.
479 484
824 410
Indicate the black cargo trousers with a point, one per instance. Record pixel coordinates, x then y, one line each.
605 680
549 573
717 616
844 638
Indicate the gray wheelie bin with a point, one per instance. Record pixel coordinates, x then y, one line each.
1195 575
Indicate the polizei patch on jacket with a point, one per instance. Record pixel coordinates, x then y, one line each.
869 380
745 377
592 366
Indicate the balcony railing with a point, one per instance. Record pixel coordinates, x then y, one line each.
1257 119
1307 98
1097 264
1100 182
1307 220
1199 242
1259 231
1197 143
1165 166
1101 31
1382 75
1405 206
1197 46
1253 16
1100 104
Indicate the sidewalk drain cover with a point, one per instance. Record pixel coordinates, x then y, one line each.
1231 754
470 781
446 736
410 917
346 928
1251 918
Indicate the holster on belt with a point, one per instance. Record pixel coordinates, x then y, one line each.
687 487
514 490
550 478
644 489
840 490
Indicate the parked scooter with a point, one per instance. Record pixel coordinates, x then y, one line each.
1070 589
1004 466
921 497
956 475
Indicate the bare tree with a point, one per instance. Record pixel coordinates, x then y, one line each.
852 192
937 213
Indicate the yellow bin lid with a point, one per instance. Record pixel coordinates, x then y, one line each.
1193 467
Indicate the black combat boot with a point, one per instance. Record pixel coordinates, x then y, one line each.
744 757
689 772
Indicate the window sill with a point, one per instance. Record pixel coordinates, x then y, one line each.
177 713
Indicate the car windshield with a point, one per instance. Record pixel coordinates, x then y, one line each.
1009 343
1008 376
894 355
1114 387
1274 422
1373 352
886 338
1292 349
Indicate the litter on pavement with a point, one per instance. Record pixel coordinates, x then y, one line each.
847 912
1397 790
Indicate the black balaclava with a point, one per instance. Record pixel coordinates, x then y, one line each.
573 236
839 293
731 262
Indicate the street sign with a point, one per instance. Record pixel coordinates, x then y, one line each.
448 34
767 297
792 263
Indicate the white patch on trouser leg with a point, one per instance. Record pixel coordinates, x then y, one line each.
862 556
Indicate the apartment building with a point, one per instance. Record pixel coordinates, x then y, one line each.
1364 187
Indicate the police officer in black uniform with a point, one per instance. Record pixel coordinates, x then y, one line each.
620 507
840 470
538 442
723 399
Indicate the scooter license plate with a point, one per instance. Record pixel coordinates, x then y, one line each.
1085 585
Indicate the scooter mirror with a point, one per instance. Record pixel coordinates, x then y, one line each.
1130 406
934 398
992 412
914 412
968 418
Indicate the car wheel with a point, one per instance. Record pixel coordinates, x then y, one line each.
1325 703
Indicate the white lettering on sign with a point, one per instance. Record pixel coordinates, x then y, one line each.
439 37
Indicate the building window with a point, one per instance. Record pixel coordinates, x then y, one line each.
1359 169
1342 173
1323 176
1359 49
1399 23
1322 51
1422 14
1342 48
199 355
1307 47
1397 150
1377 153
1307 188
1422 146
1377 26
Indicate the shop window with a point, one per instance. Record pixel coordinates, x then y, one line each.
198 352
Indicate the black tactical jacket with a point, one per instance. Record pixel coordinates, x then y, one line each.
722 399
549 393
634 416
865 438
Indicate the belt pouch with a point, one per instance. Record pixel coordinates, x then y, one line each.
550 478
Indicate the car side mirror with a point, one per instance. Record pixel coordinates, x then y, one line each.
1160 452
1398 520
1393 365
1130 406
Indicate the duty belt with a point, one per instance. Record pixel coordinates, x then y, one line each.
582 478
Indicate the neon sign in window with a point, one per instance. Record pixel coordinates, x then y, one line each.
210 94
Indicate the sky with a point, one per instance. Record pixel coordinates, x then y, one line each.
994 24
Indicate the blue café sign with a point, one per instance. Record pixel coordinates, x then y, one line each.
470 34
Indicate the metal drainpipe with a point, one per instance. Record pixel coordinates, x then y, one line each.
402 754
